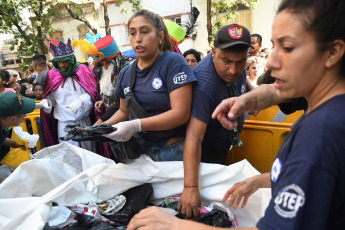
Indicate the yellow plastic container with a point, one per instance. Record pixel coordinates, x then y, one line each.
32 117
262 138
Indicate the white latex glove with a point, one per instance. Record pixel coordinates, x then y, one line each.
125 130
75 105
45 104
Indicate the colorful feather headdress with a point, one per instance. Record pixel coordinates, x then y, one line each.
103 48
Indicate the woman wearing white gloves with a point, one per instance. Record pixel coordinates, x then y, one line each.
160 96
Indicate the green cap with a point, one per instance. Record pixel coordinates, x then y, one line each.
12 104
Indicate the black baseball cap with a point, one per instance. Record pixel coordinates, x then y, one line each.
231 35
13 104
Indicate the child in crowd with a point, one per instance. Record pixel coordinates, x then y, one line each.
38 93
4 77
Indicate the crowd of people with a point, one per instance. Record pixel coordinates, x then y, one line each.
191 108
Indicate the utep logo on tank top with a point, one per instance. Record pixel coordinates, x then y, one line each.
289 200
157 83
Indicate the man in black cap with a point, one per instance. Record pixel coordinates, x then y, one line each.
13 109
221 74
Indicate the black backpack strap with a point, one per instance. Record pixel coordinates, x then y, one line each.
136 111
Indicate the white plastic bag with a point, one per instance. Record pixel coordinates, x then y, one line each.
35 209
31 139
57 164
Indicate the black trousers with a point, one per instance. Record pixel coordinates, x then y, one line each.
210 155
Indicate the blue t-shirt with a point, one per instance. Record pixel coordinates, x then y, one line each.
154 83
208 92
308 174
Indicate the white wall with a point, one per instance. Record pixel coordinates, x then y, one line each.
200 42
262 19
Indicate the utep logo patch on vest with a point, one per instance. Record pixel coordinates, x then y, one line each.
180 78
275 170
157 83
235 32
289 200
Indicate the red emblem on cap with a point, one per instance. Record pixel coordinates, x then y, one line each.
235 32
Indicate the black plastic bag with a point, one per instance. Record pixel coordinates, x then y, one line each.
129 150
79 133
122 151
137 198
88 223
216 218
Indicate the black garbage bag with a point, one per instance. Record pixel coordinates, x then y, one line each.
216 218
79 133
137 198
88 223
122 151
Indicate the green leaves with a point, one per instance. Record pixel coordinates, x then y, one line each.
29 29
227 9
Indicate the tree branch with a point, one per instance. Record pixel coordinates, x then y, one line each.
209 23
68 8
106 18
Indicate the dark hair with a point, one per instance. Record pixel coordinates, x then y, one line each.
265 78
194 52
258 36
4 76
158 23
23 81
41 59
23 89
31 80
35 85
323 18
264 49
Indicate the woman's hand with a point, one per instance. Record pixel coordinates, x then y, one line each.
153 218
125 130
244 189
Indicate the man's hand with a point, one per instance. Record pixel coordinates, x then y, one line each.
228 110
190 202
29 93
18 146
13 144
75 105
43 104
99 106
125 130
